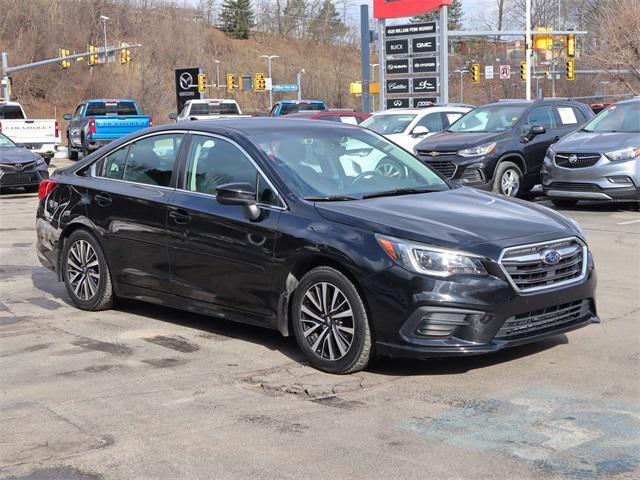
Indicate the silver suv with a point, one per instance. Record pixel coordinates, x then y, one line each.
601 161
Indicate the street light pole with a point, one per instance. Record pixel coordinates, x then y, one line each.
461 72
527 58
104 29
269 58
373 76
217 62
300 72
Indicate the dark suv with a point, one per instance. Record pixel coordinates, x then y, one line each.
501 146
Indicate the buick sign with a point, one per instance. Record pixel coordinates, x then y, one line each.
396 47
425 84
423 44
398 86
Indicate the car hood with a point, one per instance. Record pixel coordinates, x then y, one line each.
451 218
452 141
597 142
17 155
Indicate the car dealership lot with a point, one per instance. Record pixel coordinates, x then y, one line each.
148 392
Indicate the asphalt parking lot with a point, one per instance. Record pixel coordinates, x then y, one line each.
143 392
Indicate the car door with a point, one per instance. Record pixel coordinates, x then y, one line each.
535 149
74 130
128 200
218 255
568 119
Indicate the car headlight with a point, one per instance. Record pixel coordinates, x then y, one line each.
551 152
628 153
424 259
485 149
40 162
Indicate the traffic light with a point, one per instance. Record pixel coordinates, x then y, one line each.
523 71
125 54
571 69
231 83
571 45
64 53
202 83
547 74
475 72
259 83
93 55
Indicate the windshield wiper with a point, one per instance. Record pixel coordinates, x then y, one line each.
400 191
332 198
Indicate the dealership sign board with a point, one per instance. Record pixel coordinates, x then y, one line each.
405 8
187 86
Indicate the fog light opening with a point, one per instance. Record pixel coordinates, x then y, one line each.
442 324
620 179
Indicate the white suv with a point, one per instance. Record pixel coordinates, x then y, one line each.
407 127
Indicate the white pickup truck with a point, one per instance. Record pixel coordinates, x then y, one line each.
39 136
210 109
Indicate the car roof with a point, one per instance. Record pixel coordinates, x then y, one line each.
11 104
419 111
107 100
300 101
326 113
630 100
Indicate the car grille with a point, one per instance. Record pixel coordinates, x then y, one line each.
17 167
574 186
18 179
529 270
446 169
580 160
435 153
545 320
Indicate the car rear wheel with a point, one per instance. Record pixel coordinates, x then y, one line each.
71 152
330 322
563 203
508 179
86 273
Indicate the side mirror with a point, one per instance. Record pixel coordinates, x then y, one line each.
242 194
420 131
173 116
536 130
67 116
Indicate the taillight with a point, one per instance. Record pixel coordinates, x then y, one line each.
151 121
46 187
57 130
92 126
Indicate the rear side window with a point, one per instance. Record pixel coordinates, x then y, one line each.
112 166
11 112
568 115
151 160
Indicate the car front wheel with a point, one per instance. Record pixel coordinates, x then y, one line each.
330 322
508 179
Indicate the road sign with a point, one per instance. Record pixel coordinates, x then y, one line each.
488 72
186 85
425 65
397 47
397 66
285 87
398 103
423 44
505 72
268 84
398 86
425 85
410 29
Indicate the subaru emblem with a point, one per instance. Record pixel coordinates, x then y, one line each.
573 159
550 257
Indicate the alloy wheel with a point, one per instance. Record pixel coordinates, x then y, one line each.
83 270
510 183
327 321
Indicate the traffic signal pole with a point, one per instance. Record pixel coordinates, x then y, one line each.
6 69
528 49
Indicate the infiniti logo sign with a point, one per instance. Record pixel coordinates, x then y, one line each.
550 257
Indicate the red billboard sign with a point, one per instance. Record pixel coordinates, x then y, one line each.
405 8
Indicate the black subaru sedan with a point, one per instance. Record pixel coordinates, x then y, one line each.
293 225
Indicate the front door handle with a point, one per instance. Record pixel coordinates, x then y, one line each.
179 216
556 139
103 199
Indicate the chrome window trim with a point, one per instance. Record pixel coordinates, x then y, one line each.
246 154
528 291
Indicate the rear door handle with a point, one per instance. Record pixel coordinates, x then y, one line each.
103 199
180 216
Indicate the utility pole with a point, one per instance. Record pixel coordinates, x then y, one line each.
217 62
528 49
5 77
104 29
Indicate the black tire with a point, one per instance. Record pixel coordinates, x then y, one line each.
511 170
102 297
564 203
351 351
72 154
84 150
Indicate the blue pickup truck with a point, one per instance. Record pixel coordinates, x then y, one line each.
99 121
285 107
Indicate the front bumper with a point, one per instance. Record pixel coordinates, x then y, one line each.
489 305
606 180
22 178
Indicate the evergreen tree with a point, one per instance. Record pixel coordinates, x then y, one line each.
455 16
237 18
327 24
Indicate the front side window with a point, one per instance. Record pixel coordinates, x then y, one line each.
151 160
433 122
542 116
5 142
340 163
496 118
212 162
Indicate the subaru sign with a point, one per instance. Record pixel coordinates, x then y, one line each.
397 66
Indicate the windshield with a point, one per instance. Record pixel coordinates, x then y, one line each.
300 107
344 164
623 118
214 109
388 124
489 119
5 142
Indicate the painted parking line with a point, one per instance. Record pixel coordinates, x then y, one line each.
629 222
